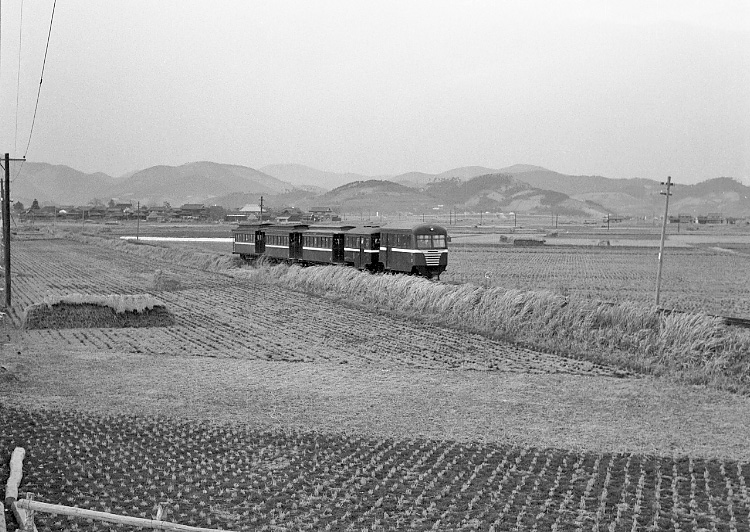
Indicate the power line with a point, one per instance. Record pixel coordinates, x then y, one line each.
41 78
18 78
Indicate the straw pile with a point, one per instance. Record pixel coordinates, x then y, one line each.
81 311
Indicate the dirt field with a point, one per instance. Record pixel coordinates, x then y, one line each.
263 408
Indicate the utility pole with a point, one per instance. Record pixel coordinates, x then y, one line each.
261 208
138 222
667 193
6 226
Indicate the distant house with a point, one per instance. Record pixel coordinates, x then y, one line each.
236 216
323 214
113 213
290 215
711 218
192 211
252 210
682 219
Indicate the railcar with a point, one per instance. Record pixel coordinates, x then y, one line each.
250 239
284 242
324 244
421 249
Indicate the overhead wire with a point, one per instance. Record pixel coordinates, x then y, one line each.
18 78
41 78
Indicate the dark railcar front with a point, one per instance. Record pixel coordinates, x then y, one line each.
420 249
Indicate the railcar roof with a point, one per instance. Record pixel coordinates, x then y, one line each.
413 228
286 228
329 229
364 230
244 226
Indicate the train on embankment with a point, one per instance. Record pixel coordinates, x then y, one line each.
420 249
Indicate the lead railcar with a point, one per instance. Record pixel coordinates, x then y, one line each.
420 250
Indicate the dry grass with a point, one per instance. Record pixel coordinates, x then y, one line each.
690 347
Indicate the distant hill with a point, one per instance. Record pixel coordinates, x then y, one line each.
492 192
375 196
722 195
276 202
471 188
504 193
194 183
309 178
420 179
58 184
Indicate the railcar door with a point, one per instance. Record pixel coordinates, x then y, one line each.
387 239
372 258
260 242
361 255
337 254
295 246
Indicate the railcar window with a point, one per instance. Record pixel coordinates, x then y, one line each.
424 242
438 241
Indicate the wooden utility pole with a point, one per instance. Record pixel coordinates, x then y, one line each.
6 226
667 193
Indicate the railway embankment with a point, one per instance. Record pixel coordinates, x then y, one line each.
695 348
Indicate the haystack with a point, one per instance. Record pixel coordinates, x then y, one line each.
79 311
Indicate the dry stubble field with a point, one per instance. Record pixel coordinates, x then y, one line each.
262 408
699 279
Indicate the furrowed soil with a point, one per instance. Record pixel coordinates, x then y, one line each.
266 409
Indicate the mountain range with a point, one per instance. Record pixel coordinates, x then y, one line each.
518 188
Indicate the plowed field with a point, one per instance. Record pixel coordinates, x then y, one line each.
694 279
225 317
247 476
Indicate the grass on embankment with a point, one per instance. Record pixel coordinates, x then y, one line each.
688 347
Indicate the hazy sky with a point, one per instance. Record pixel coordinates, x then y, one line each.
615 88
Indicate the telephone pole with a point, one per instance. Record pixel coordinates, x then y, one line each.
6 226
667 193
